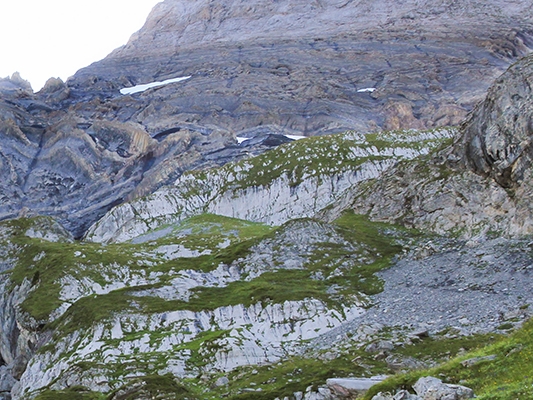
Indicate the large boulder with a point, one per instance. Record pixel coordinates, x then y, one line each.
430 388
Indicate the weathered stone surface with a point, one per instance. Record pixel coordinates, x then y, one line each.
345 387
401 395
399 363
497 137
481 184
428 63
6 380
48 229
477 360
430 388
231 190
75 150
75 166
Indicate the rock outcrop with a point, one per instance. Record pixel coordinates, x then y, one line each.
430 388
478 186
73 165
497 137
294 181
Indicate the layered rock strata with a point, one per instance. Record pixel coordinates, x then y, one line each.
314 67
75 150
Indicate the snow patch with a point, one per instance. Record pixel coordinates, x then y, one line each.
295 137
366 90
146 86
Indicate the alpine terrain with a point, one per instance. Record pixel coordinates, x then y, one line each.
260 199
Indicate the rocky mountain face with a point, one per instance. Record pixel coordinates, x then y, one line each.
492 155
151 246
75 150
317 67
66 160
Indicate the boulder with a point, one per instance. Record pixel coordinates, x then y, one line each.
345 387
430 388
401 395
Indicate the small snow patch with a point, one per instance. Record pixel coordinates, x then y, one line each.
366 90
295 137
146 86
241 139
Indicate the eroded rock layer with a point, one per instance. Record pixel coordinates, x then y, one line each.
482 183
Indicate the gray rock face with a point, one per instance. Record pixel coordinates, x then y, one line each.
429 388
267 189
6 381
344 388
313 67
497 137
401 395
75 165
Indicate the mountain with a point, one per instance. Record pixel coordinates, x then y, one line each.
263 70
178 243
307 66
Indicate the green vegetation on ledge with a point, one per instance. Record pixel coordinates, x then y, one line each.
498 371
326 155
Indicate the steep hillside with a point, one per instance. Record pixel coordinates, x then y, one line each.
481 185
192 305
76 149
293 181
74 164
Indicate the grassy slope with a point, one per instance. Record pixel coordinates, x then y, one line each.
507 377
327 155
55 260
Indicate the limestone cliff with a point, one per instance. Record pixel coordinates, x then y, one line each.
75 165
293 181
